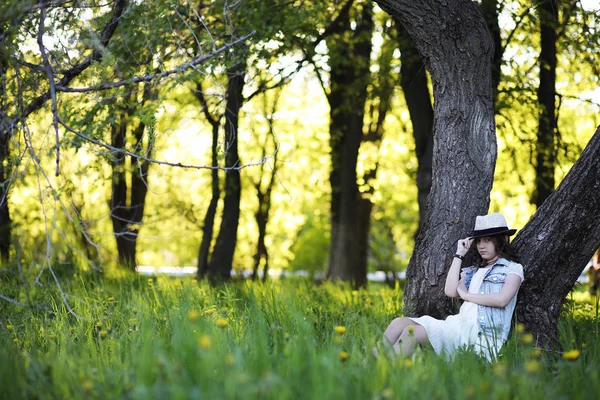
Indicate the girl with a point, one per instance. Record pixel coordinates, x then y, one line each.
489 290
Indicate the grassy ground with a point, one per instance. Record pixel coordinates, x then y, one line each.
164 338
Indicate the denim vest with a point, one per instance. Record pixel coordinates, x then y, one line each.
493 322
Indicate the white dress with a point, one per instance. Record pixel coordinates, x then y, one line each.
460 331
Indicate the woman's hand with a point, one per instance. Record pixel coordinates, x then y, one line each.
463 246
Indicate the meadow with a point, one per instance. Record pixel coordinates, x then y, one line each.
165 338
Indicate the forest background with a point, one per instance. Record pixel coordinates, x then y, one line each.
299 63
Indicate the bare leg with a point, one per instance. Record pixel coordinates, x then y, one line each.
409 341
395 329
393 332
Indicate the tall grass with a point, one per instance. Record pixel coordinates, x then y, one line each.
163 338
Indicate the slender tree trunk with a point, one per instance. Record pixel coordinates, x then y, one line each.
349 63
211 211
120 212
557 243
221 261
127 213
545 149
262 218
418 99
5 221
457 49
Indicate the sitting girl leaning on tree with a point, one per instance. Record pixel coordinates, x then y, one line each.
489 290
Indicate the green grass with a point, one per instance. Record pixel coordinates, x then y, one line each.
178 339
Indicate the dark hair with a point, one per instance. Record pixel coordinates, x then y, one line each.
503 246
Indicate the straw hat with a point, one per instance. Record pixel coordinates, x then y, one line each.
491 225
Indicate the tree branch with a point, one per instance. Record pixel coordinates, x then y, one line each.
149 78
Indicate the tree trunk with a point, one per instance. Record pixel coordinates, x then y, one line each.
127 215
262 214
120 211
5 222
5 181
545 149
221 261
418 100
349 63
457 49
211 211
557 243
490 13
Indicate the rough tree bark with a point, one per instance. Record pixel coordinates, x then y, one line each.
413 80
219 268
557 242
545 149
349 64
455 44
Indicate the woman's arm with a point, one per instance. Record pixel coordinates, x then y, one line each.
509 290
454 274
453 278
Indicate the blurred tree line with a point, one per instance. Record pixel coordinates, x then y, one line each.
298 134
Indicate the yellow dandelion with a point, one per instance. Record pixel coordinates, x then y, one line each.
368 300
408 363
229 360
205 342
470 392
159 289
193 315
110 299
103 334
387 393
222 323
536 353
194 281
209 311
150 280
87 385
411 330
165 319
9 328
571 355
343 356
532 366
520 328
500 370
340 330
527 338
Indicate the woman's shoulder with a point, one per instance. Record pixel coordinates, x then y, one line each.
512 267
